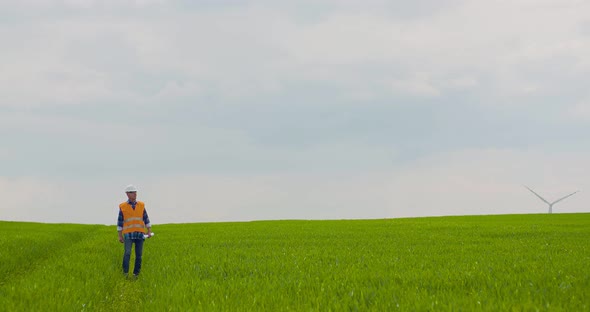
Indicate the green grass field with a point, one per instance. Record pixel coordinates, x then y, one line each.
492 263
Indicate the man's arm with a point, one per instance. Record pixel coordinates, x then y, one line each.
120 226
148 225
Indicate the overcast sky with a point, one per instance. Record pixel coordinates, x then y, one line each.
226 110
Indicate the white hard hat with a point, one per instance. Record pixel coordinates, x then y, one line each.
130 188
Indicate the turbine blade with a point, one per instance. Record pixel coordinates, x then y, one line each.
543 199
555 202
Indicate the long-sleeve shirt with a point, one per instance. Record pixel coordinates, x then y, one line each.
121 220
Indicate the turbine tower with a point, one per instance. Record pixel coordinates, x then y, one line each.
548 203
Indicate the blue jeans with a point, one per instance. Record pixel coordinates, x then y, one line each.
127 255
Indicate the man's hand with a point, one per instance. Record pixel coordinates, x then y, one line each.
121 239
149 232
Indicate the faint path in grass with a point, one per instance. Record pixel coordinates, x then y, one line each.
24 246
127 296
83 273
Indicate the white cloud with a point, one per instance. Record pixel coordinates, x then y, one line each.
579 112
173 90
48 126
78 4
236 54
44 72
417 85
462 82
6 154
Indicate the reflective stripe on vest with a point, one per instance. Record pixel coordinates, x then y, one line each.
133 219
133 226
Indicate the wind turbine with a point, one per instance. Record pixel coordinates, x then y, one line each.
548 203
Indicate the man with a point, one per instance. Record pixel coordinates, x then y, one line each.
132 224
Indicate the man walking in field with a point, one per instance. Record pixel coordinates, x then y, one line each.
131 225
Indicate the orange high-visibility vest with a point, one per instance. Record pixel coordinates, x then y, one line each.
133 218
